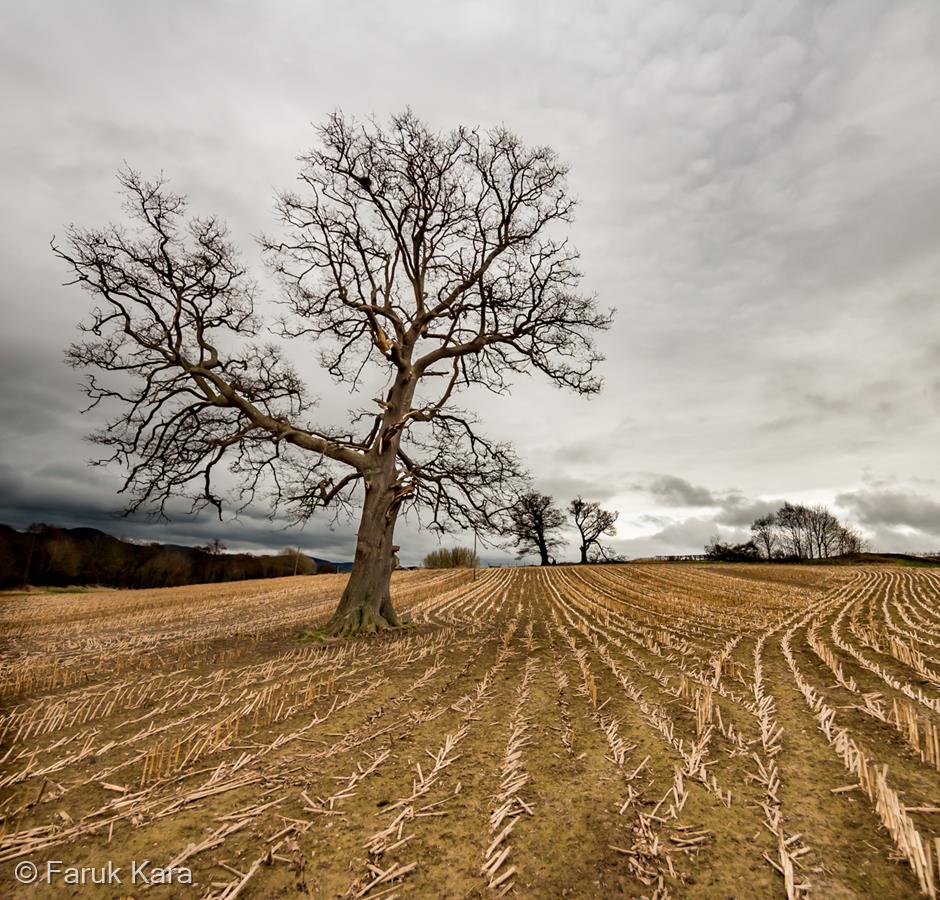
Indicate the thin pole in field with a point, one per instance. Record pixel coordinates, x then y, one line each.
476 561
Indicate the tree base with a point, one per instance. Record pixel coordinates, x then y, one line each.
361 620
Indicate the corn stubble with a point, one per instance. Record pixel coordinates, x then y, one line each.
628 730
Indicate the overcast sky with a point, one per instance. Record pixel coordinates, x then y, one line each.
759 199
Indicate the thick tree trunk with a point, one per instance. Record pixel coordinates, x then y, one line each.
543 551
584 550
366 604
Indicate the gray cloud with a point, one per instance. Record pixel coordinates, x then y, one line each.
566 488
759 198
678 537
73 497
893 508
671 490
740 513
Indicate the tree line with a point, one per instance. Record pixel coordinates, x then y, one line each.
793 532
56 557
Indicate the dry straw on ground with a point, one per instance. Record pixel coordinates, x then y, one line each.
639 730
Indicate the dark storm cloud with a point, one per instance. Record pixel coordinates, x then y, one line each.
892 509
671 490
74 496
759 198
37 397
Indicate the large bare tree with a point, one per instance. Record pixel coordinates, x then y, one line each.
436 259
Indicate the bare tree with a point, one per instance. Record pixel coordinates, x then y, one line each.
214 547
804 532
592 522
533 522
432 258
303 564
823 528
793 522
849 540
764 534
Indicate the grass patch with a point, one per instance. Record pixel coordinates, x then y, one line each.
49 590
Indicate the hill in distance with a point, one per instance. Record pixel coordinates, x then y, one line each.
50 556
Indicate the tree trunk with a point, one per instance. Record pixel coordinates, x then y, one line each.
584 550
543 549
366 604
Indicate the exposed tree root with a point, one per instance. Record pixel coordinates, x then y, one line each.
360 620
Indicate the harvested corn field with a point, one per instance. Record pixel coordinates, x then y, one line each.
635 730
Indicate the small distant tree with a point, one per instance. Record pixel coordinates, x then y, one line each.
793 522
824 529
764 534
849 540
451 558
534 523
215 548
592 522
719 551
303 564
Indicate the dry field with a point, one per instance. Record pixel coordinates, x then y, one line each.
671 730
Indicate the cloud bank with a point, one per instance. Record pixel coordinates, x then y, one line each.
759 199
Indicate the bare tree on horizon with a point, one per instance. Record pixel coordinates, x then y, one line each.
431 258
592 522
533 520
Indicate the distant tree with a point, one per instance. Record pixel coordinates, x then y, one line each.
302 564
849 541
451 558
533 522
718 551
436 259
592 522
214 547
823 528
764 534
793 522
796 531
